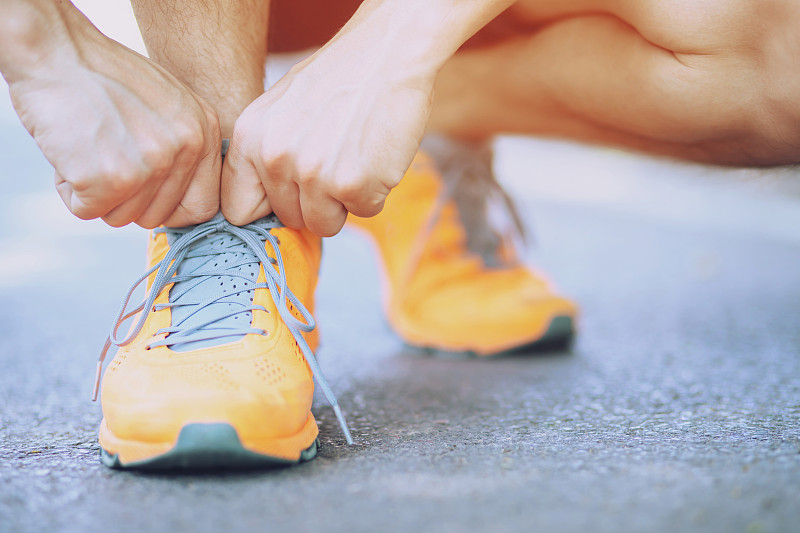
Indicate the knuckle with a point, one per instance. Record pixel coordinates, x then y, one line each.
327 226
269 154
83 182
351 190
278 166
92 177
190 136
129 179
308 180
369 209
153 160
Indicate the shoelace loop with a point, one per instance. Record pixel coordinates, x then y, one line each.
254 236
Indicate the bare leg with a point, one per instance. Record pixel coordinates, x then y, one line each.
692 80
712 81
215 47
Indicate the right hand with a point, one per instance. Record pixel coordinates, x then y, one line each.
129 142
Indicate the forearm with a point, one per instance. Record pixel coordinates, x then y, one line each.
338 131
216 47
35 34
414 36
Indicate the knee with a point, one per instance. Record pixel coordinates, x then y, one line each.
745 85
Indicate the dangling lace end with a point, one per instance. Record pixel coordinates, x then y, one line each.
97 381
99 372
343 424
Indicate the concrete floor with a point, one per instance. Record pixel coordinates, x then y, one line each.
678 408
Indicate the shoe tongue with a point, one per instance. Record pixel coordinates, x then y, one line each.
217 252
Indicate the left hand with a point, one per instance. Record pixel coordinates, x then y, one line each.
333 136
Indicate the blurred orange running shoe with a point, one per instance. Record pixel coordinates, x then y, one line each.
217 371
453 283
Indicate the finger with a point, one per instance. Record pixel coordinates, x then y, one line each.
280 177
323 216
156 200
363 201
197 194
242 196
367 209
285 202
200 201
64 190
131 209
75 203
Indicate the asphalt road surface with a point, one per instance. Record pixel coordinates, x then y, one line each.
677 409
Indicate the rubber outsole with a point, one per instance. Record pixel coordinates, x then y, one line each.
208 447
558 336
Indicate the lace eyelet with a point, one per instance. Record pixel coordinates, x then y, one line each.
181 243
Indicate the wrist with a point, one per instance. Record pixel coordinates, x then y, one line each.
34 38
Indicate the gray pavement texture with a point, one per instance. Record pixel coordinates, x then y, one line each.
677 409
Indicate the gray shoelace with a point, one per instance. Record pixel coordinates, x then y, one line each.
469 182
466 169
207 319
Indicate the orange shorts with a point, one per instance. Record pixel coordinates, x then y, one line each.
301 24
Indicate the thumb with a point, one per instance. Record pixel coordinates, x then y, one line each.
200 201
74 202
242 196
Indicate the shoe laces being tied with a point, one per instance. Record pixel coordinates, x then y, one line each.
203 314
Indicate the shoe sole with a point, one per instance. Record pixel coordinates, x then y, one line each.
207 447
558 336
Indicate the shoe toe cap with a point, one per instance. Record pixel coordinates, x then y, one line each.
154 404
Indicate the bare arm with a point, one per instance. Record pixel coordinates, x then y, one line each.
127 140
338 132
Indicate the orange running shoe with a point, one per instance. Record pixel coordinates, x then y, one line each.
217 370
452 283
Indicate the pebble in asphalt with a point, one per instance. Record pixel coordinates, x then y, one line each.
677 409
